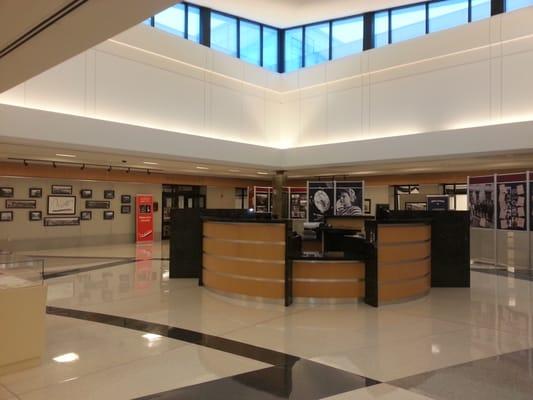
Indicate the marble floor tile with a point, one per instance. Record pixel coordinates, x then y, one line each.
383 391
6 394
508 376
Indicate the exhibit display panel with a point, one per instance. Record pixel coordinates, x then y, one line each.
500 209
327 198
22 312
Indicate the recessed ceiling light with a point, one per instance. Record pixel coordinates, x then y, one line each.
65 155
65 358
234 170
262 173
200 167
363 172
150 163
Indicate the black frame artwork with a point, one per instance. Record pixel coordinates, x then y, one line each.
86 215
367 206
52 198
97 204
109 194
109 215
125 209
61 221
35 193
35 215
6 191
19 203
86 193
125 199
3 214
62 189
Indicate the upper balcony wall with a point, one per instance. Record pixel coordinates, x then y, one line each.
473 75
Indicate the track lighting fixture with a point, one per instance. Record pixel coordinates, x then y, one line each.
109 169
148 171
128 170
25 163
82 167
54 164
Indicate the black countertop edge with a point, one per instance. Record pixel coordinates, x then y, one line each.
246 220
360 216
404 221
328 258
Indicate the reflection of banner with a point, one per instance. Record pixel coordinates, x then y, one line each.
348 198
481 201
144 217
438 203
321 199
297 203
512 201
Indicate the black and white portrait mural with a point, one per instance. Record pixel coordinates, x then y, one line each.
349 198
321 198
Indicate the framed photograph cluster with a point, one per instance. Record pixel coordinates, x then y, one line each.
62 189
98 204
35 193
86 215
125 209
86 193
109 194
7 192
61 221
125 199
35 215
108 215
6 216
61 205
11 203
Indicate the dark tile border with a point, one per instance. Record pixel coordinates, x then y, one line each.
66 272
289 377
524 275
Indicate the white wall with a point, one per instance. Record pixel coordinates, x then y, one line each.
470 76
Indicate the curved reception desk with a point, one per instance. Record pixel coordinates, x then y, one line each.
256 259
245 258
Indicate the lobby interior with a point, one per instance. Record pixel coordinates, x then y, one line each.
242 115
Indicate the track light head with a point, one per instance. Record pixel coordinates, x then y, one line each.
25 163
148 171
54 164
82 167
128 170
109 169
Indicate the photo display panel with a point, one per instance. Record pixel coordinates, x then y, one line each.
321 200
512 202
348 198
481 196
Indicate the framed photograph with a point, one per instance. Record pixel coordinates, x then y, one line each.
21 203
61 221
368 206
109 194
97 204
36 215
415 206
36 193
156 206
125 199
86 193
125 209
6 192
62 189
6 216
86 215
61 205
109 215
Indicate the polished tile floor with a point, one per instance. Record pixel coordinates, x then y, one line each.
135 333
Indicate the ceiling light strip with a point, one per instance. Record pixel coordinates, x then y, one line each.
41 26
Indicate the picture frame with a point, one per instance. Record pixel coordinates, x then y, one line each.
6 216
367 206
62 189
155 206
61 205
13 203
35 192
415 206
61 221
86 193
125 209
109 194
108 215
97 204
7 191
35 215
86 215
125 199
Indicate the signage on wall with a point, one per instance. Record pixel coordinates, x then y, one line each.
438 203
144 218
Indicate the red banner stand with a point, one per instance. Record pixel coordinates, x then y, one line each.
144 218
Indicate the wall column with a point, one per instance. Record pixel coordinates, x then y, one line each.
279 209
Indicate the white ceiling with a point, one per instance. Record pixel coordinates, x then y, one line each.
287 13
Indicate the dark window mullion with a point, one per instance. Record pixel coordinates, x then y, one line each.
427 18
261 45
330 55
281 50
186 33
238 37
302 64
469 11
390 25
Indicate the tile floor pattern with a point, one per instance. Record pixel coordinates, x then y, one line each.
454 344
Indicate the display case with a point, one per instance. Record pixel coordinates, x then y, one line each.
22 311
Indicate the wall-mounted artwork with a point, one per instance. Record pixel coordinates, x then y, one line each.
368 206
156 206
97 204
6 192
6 216
416 206
109 194
125 209
62 189
348 198
86 193
61 221
36 193
481 199
125 199
86 215
61 205
512 198
21 203
109 215
36 215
